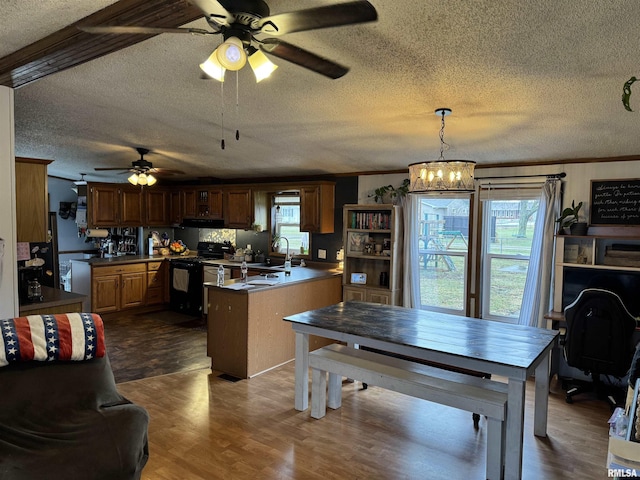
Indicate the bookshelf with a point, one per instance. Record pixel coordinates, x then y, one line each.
372 253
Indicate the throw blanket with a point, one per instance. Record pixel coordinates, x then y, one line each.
71 336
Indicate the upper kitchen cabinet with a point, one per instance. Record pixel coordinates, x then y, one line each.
31 199
157 207
317 204
114 205
175 207
209 203
238 208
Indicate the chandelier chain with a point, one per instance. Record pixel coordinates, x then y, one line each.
442 142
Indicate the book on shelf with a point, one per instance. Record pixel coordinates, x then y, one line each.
370 220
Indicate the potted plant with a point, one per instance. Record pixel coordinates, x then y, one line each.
391 194
570 219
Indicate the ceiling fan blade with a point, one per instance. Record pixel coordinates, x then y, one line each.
304 58
142 30
320 17
109 168
214 11
165 171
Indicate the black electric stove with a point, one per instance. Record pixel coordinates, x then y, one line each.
186 277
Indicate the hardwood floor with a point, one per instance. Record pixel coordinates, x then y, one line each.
203 427
146 345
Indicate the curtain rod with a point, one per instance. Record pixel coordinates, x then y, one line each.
549 175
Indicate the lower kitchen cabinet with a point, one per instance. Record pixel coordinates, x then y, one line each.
157 278
117 287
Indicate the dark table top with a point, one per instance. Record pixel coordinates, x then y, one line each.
452 335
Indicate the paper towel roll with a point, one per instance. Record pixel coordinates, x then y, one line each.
98 232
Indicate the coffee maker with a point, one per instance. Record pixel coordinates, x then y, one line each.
30 284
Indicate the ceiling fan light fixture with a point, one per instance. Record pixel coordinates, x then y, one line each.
151 180
231 54
211 66
442 175
142 179
262 67
133 179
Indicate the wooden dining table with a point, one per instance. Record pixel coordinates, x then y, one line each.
502 349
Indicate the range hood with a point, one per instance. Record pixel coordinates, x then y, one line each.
202 223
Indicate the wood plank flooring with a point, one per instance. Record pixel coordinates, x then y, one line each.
142 345
203 427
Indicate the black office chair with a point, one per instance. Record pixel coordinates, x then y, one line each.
599 339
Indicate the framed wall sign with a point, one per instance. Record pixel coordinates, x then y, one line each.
615 202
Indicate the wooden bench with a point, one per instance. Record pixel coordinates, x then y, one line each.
473 394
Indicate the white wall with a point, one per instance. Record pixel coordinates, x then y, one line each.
8 262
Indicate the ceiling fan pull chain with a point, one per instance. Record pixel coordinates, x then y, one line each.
237 106
222 115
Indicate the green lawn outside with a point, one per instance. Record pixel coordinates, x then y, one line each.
442 282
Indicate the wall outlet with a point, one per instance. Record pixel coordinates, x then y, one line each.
322 253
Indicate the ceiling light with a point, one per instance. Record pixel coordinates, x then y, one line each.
262 67
151 180
213 68
142 179
133 179
442 175
231 54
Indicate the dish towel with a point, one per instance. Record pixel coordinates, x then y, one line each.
181 279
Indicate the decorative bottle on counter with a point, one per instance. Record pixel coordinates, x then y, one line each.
220 275
243 270
287 266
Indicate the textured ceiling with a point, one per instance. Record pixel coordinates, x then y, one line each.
527 81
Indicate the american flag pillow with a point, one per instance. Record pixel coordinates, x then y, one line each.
70 336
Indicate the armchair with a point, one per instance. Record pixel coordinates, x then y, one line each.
61 416
598 340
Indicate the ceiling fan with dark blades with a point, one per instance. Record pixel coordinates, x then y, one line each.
240 21
142 166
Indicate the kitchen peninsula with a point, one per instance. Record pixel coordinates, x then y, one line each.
246 332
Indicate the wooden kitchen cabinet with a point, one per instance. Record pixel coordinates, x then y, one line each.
238 208
317 204
209 203
118 287
175 207
188 202
131 207
157 278
114 205
31 199
156 207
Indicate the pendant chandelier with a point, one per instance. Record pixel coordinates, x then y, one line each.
442 175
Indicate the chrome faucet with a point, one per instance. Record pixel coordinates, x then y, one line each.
287 259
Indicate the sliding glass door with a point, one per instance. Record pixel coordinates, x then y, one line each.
508 224
443 248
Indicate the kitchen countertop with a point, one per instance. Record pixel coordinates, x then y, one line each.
125 259
51 297
298 275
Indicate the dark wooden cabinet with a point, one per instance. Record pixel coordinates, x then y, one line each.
132 212
317 204
209 203
114 205
103 205
238 208
156 207
175 207
188 203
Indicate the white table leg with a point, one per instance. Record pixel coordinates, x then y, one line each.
302 371
515 429
541 399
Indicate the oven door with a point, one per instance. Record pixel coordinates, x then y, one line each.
210 274
185 287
